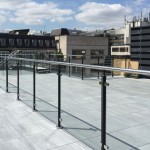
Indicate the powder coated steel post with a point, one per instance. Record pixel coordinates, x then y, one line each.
103 111
82 68
18 80
7 75
34 87
98 65
59 97
69 66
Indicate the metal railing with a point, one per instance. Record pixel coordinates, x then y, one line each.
8 56
103 84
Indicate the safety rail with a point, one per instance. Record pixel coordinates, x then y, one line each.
10 55
103 68
103 84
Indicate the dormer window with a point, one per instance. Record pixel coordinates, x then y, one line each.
11 42
19 42
47 43
27 42
34 43
2 42
40 42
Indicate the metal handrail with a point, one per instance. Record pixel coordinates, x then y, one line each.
7 57
95 67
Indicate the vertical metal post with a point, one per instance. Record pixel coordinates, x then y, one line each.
34 87
82 68
6 75
59 97
30 58
18 80
69 66
125 63
3 66
98 65
49 58
103 111
112 64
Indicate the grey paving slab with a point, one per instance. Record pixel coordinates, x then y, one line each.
145 147
14 144
137 135
73 146
128 105
48 140
23 129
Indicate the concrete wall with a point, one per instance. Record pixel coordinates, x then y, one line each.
87 43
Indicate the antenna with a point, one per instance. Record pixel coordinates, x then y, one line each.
141 16
125 20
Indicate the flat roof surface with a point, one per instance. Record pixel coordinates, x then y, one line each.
128 108
23 129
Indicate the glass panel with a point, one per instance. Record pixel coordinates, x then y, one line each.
26 82
2 74
47 93
12 76
81 103
128 106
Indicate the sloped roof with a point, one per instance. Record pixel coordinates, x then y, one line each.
57 32
20 31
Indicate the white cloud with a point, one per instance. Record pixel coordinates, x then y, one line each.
2 19
2 16
93 13
32 12
138 2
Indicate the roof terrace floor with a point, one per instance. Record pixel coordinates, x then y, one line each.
23 129
128 112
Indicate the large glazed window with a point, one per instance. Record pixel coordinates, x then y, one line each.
78 54
97 53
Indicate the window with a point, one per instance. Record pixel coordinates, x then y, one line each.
19 42
34 43
47 43
11 42
97 53
2 42
78 54
27 42
40 42
115 50
122 49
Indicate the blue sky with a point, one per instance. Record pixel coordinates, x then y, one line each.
80 14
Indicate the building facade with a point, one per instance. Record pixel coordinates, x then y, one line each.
119 41
86 46
140 46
